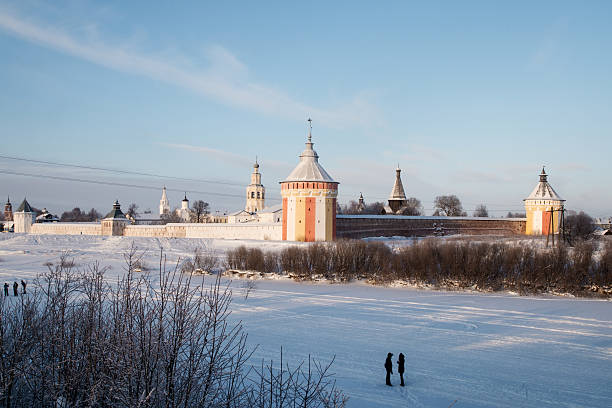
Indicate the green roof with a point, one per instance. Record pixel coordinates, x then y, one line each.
116 211
25 207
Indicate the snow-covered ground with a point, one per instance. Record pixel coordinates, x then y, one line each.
483 350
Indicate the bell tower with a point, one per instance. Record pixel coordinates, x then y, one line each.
255 191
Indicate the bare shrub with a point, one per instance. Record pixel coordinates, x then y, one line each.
205 259
76 340
248 286
308 384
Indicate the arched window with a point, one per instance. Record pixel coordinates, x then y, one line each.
262 195
252 194
258 194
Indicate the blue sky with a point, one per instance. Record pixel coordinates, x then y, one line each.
470 98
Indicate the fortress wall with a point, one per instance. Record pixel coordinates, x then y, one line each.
256 231
145 231
361 226
66 228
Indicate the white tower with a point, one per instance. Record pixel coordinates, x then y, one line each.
164 204
23 218
255 191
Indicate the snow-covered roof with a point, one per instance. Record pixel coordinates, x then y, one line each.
239 212
309 168
397 193
271 209
544 191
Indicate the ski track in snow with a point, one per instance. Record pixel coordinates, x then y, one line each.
483 350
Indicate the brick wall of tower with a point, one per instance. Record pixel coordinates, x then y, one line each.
309 211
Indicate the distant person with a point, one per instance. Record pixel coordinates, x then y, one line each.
15 287
6 285
24 284
400 368
389 368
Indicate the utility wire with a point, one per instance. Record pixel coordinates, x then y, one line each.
107 183
80 166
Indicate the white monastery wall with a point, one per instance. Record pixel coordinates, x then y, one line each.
66 228
258 231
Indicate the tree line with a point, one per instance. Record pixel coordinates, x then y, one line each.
444 264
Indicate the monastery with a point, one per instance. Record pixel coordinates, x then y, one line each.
307 213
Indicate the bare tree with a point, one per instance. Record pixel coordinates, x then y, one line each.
199 211
449 206
579 226
414 207
171 217
132 211
481 211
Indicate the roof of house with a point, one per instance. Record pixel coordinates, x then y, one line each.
24 206
271 209
239 212
544 191
309 169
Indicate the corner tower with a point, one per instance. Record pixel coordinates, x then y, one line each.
255 191
309 199
543 208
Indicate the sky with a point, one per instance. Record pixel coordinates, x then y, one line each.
113 100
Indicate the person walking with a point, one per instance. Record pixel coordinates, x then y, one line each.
23 284
400 368
389 368
6 285
15 287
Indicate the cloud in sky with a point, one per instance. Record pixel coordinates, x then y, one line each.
224 155
226 80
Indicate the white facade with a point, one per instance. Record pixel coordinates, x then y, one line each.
164 204
255 192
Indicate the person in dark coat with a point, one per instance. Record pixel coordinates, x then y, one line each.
400 367
6 285
15 287
389 368
24 286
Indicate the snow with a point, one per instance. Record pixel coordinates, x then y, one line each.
482 350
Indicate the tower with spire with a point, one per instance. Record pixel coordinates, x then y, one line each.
8 210
184 212
397 202
543 208
255 191
309 196
164 204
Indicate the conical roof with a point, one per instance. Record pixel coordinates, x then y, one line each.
398 189
543 190
116 211
24 207
309 168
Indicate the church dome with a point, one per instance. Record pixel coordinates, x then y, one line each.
309 168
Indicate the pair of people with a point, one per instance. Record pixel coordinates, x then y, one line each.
389 368
15 288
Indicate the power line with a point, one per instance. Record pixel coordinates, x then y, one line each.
119 171
107 183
